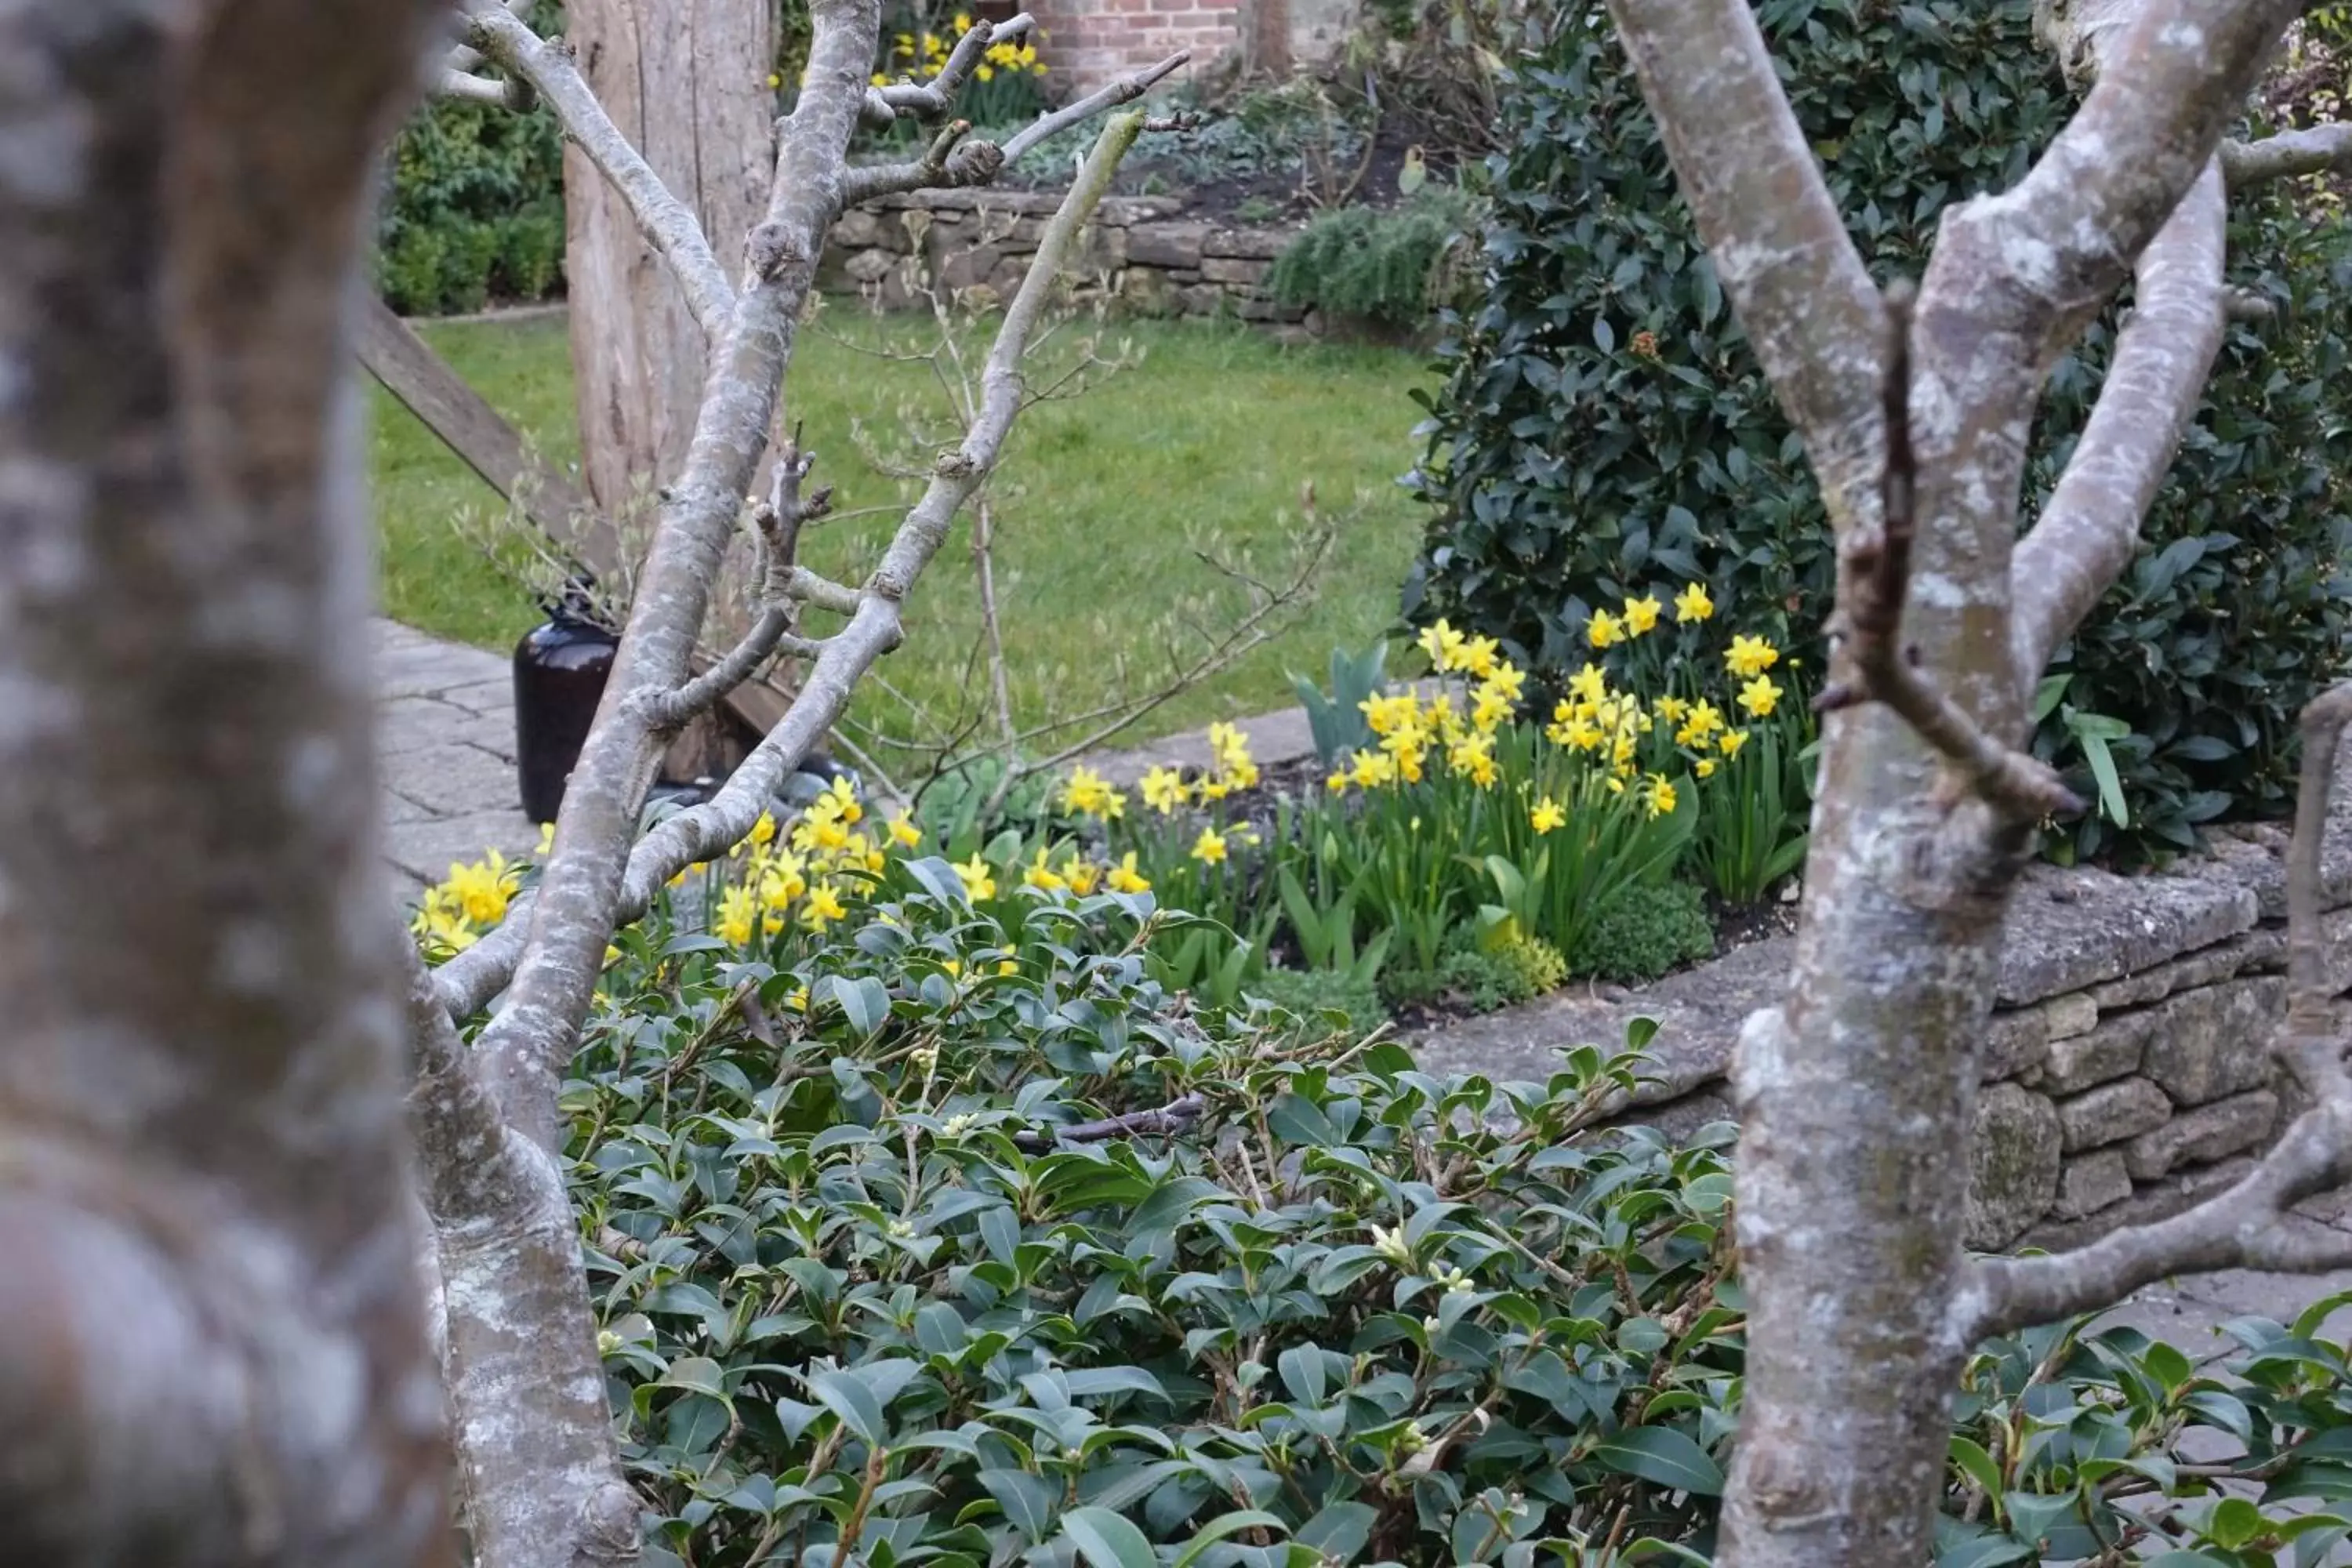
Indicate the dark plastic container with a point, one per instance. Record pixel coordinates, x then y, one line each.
559 669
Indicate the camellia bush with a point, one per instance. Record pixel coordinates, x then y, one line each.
925 1225
1604 428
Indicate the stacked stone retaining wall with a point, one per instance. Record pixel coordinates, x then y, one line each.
1141 250
2127 1068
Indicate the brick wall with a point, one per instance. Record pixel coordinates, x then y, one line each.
1089 42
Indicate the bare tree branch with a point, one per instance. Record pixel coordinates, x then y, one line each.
1126 89
949 164
511 93
2317 150
669 227
1775 235
1164 1121
930 99
2088 531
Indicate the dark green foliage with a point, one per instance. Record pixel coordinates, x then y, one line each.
1643 931
475 211
842 1273
1311 993
1390 265
1604 427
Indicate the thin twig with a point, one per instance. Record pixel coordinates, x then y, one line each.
1167 1121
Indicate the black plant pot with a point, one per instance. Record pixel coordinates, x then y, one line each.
559 678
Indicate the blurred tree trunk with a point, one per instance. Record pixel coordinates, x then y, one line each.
215 1351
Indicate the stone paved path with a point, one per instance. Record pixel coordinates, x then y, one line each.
445 732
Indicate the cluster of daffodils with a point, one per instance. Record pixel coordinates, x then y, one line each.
805 877
920 57
470 901
1230 771
1639 616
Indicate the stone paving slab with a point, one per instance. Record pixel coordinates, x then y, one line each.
444 741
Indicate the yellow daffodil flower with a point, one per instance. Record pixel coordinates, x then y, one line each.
1089 792
1037 875
737 916
1546 815
824 907
1604 630
1705 768
1387 715
1658 795
1673 709
1163 790
1474 757
1750 656
1479 656
1506 681
1691 604
978 884
1443 644
1126 879
1083 876
1373 769
1641 615
903 833
1731 743
1336 781
1209 847
1589 684
1759 696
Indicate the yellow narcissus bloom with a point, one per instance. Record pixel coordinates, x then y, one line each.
1163 790
1473 757
1731 743
1589 684
903 833
1705 768
1008 966
824 907
1759 696
1671 708
979 883
1488 710
1750 656
1336 781
1373 769
1090 793
1479 656
1506 681
1228 745
1704 720
1641 615
1546 815
1083 876
781 882
1037 875
1409 760
1443 644
1126 879
1387 715
1604 630
1209 847
1693 604
737 916
1658 795
1215 787
480 891
1581 735
763 832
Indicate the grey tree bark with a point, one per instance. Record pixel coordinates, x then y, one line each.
214 1349
1856 1095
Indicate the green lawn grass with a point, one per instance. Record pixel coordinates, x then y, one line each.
1101 505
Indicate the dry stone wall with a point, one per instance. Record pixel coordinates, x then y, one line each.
2128 1070
1141 250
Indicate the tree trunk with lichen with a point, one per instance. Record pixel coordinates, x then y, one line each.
214 1351
1857 1094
